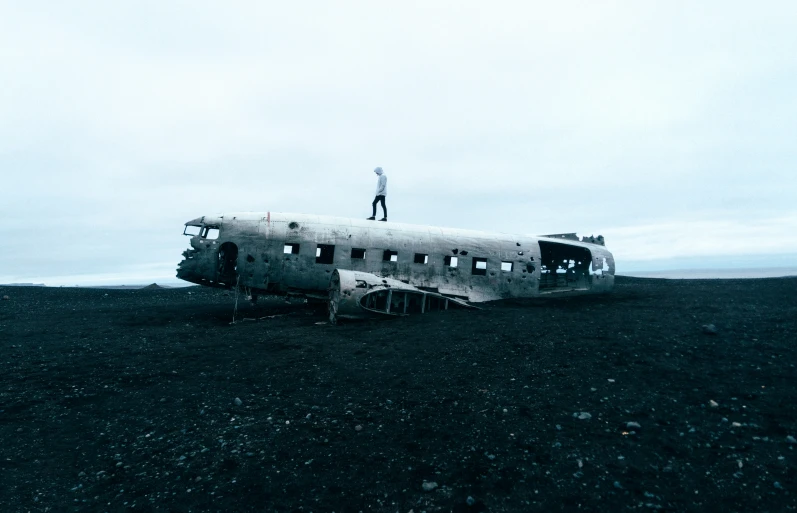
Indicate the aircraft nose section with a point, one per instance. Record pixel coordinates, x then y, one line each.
198 261
186 269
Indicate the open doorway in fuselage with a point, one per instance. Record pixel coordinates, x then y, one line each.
563 267
227 267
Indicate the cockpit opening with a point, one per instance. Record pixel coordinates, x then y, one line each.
210 233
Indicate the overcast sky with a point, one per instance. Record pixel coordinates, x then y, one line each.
669 127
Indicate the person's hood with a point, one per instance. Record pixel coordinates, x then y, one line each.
378 171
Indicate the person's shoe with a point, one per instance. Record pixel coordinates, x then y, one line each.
383 219
370 218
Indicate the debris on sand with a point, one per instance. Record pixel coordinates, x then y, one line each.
713 403
582 415
633 425
428 486
709 329
238 402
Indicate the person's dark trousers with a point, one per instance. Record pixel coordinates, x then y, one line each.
384 208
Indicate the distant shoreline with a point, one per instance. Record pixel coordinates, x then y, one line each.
715 274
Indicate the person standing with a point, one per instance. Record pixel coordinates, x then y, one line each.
381 192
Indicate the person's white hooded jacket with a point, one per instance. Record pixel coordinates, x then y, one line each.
381 184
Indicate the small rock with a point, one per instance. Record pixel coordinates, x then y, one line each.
238 402
470 501
709 329
582 416
428 486
778 485
6 298
618 485
735 424
633 425
358 427
713 403
558 427
610 380
791 440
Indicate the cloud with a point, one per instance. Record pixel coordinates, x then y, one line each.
121 121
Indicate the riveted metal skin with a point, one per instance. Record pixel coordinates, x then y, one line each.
287 253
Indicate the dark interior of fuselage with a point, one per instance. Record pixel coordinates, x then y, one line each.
226 272
563 267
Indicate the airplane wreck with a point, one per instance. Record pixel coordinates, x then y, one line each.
366 269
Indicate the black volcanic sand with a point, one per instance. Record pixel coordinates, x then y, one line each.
126 400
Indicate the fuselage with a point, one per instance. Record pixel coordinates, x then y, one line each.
297 253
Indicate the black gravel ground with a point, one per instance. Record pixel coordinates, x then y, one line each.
151 400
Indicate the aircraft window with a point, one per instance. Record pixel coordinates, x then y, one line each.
390 256
420 258
507 266
479 267
358 253
450 261
192 230
291 249
324 254
210 233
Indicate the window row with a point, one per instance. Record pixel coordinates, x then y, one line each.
325 253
